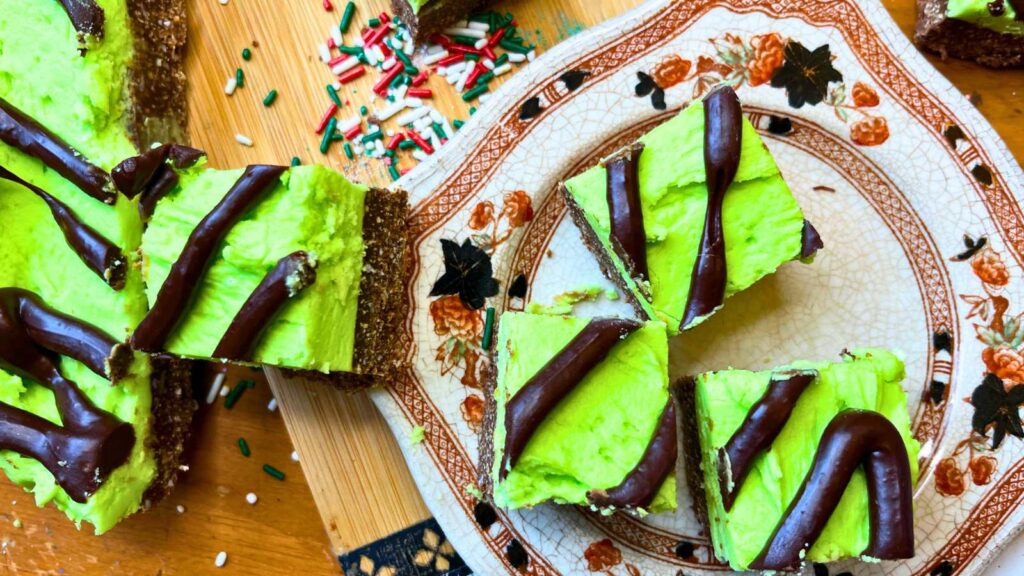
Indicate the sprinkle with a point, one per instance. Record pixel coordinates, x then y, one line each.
239 77
277 474
236 393
269 98
229 88
502 69
381 86
218 381
345 65
325 142
375 135
246 54
394 172
474 92
516 57
351 134
295 456
420 142
458 123
348 151
453 59
469 32
513 47
180 509
390 111
243 446
224 391
243 140
364 110
497 37
351 75
488 329
328 6
420 78
346 17
325 53
374 22
221 559
333 93
501 60
413 115
251 498
328 114
395 141
420 155
272 405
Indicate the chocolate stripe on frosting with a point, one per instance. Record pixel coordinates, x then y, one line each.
22 132
85 15
641 484
624 209
98 253
723 133
764 421
292 274
538 397
149 174
187 272
810 241
91 443
852 439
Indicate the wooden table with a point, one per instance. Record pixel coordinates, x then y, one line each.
353 468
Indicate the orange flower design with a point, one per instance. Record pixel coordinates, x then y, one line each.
767 58
705 65
452 318
864 96
472 409
602 555
982 469
1006 363
989 266
870 131
671 71
518 208
469 376
949 480
482 215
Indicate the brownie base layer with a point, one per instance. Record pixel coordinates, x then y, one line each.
158 110
593 243
435 16
690 466
959 39
172 411
487 427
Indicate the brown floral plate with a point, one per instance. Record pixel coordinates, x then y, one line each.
913 192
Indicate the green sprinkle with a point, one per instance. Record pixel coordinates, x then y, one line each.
296 161
374 22
246 54
243 446
373 136
394 172
269 98
500 60
488 329
458 123
511 46
346 18
439 130
334 95
325 142
474 93
406 145
403 57
239 77
484 78
348 151
236 393
465 40
471 57
397 81
364 110
412 70
350 50
481 17
390 154
336 136
472 110
277 474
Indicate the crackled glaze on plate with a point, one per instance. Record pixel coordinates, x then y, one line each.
912 191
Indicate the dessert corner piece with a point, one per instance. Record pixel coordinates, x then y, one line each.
293 268
425 17
811 462
580 414
691 214
990 32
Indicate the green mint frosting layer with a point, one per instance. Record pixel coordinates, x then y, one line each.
596 434
417 5
976 12
867 379
763 223
81 100
313 209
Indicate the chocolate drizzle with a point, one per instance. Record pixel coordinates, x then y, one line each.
810 241
98 253
150 175
538 397
186 273
22 132
641 484
853 438
86 16
1018 9
723 133
291 275
91 443
624 209
764 421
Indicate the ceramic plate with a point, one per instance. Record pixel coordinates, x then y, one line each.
913 192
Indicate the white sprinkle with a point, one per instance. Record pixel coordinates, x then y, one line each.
359 41
461 24
488 63
180 509
250 498
435 48
215 387
413 102
447 129
325 53
461 84
396 44
467 32
532 55
336 36
516 57
423 124
390 111
502 69
371 57
295 456
345 65
400 92
229 88
225 391
420 155
436 116
478 25
379 52
390 132
223 2
457 68
434 58
350 124
413 115
409 48
484 98
479 45
389 63
243 140
221 559
453 78
442 70
272 405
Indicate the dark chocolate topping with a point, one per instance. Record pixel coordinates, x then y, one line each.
627 218
22 132
723 133
91 443
150 175
853 438
86 16
291 275
996 8
187 272
641 485
810 241
538 397
763 423
98 253
1018 8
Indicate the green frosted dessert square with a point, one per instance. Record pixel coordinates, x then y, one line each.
603 424
647 228
765 443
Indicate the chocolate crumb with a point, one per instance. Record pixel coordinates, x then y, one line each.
779 125
937 391
996 8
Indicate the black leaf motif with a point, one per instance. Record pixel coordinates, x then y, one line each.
573 79
484 515
982 174
942 341
779 125
952 134
530 108
684 549
467 272
517 555
937 391
658 98
944 568
996 408
973 247
806 74
518 287
646 85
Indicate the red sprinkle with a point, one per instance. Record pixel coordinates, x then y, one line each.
351 75
497 37
489 53
404 171
419 92
377 35
423 144
420 78
460 49
441 39
366 33
384 18
331 44
381 87
395 141
326 118
355 131
328 6
338 60
449 60
478 71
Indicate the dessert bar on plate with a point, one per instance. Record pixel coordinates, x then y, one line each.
990 32
692 213
425 17
580 413
810 462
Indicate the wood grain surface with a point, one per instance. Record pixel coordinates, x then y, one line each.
350 465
